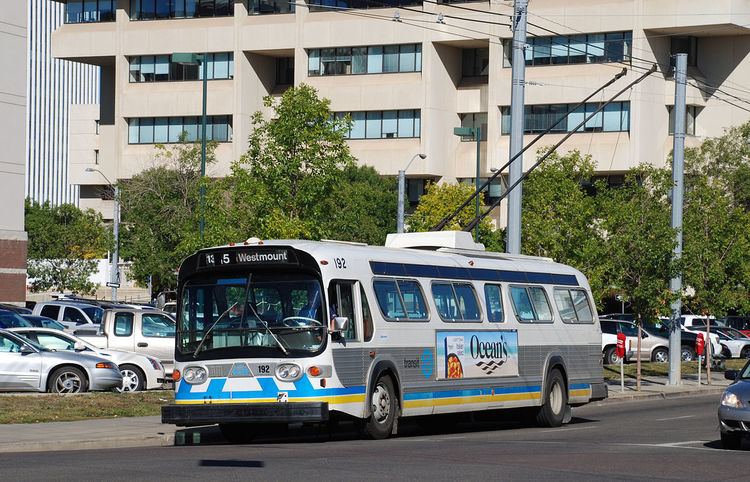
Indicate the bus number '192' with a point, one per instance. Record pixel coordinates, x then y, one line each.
264 369
340 263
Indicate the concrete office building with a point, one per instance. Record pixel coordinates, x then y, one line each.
13 239
54 85
408 76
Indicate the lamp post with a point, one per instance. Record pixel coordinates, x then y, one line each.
476 134
201 60
401 192
114 273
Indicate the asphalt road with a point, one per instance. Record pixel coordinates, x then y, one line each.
654 439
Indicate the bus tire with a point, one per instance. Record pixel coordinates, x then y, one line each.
383 409
552 411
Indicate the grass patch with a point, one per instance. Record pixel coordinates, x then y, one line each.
36 408
651 369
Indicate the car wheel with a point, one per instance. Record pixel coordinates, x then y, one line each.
67 380
745 353
552 412
687 353
660 355
610 356
726 352
133 379
731 441
383 408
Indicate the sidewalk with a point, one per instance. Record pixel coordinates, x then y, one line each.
149 431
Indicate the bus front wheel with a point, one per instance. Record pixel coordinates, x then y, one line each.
552 412
383 409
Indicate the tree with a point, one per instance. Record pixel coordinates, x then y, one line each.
441 200
64 246
560 217
160 213
639 240
298 179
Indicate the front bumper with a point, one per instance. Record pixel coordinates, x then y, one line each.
206 414
736 420
105 379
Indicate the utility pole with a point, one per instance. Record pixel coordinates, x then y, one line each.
675 284
114 275
513 237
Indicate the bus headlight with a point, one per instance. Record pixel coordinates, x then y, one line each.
288 372
195 375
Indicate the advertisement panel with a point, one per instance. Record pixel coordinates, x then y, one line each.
477 354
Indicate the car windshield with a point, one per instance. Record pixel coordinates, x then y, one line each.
95 313
745 372
9 319
262 315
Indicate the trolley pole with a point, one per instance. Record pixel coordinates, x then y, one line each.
675 284
513 237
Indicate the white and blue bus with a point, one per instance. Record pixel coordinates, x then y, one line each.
290 331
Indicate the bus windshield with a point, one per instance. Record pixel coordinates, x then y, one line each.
257 315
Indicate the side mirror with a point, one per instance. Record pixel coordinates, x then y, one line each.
644 334
79 346
730 375
340 323
26 349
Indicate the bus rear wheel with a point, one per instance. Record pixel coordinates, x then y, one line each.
552 411
383 410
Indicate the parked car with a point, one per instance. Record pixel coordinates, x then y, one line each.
170 307
72 314
687 338
27 366
653 348
735 341
618 316
43 322
11 319
139 372
734 409
16 309
741 323
149 332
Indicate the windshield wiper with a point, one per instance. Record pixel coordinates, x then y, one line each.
268 329
210 329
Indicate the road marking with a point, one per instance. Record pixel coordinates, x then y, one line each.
677 444
674 418
567 429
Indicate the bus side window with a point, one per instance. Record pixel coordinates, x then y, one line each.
494 298
366 315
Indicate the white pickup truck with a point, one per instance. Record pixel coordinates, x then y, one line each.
149 332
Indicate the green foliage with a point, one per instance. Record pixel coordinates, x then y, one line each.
160 213
639 240
64 245
559 217
298 179
441 200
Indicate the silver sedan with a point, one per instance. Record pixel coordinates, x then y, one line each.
26 366
734 408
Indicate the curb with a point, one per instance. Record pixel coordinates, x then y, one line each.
110 443
662 395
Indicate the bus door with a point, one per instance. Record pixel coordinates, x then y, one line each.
348 298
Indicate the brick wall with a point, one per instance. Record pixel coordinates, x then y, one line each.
12 270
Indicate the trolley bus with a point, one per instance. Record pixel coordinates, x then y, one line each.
290 331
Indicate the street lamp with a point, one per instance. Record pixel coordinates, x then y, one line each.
401 189
114 273
201 60
476 134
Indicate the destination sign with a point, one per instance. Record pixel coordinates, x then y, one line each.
250 256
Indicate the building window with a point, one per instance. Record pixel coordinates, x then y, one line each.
285 71
384 124
96 156
168 130
85 11
474 120
690 114
364 60
575 49
684 45
97 124
415 189
262 7
330 6
475 63
165 9
538 118
159 68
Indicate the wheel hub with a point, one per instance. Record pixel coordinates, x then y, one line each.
381 404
